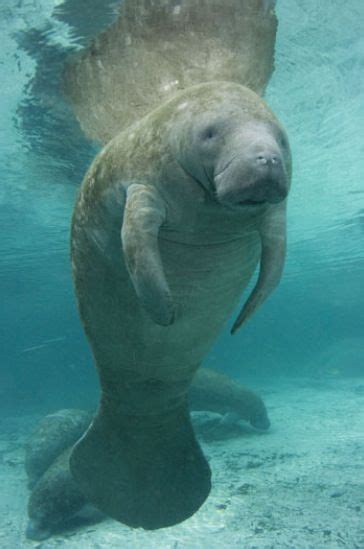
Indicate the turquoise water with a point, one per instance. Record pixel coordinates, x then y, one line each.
316 90
313 325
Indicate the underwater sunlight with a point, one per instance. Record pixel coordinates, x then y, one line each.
182 273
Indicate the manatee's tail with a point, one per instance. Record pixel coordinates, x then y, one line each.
144 471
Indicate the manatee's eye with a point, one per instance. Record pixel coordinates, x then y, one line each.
209 133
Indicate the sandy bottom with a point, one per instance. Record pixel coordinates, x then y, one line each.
299 486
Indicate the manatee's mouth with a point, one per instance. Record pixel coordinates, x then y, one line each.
252 202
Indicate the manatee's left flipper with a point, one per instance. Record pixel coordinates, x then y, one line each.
273 238
144 214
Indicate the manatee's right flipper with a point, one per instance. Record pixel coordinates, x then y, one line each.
144 471
160 47
144 214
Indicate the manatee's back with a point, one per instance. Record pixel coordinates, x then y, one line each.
158 47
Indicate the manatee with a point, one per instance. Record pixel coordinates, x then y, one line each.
216 392
172 218
55 498
56 502
210 390
53 434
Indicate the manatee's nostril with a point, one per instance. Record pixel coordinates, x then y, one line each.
268 159
261 159
275 160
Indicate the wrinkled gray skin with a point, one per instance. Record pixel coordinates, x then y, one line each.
56 498
173 217
54 433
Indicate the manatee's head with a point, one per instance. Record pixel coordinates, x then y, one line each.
233 145
35 531
260 419
41 516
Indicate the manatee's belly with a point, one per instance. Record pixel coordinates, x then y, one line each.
206 282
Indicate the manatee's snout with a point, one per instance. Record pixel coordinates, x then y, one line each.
254 174
36 532
260 420
270 183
